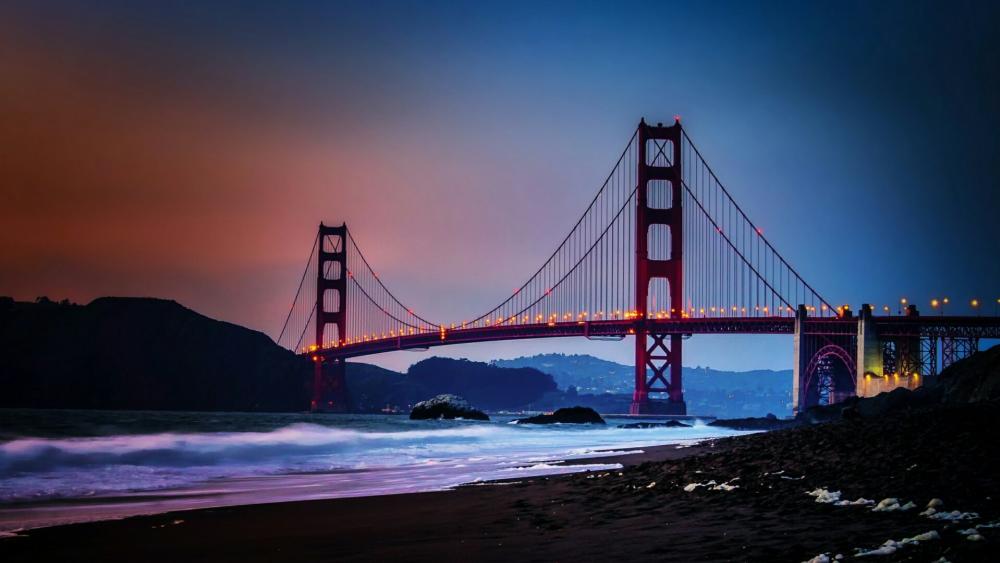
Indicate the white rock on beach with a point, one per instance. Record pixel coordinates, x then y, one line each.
859 502
952 516
824 496
972 534
713 485
891 546
892 505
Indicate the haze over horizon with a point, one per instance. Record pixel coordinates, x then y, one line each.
188 151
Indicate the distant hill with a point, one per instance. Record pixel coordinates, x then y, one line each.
154 354
707 391
485 386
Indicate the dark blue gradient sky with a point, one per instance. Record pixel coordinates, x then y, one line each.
188 150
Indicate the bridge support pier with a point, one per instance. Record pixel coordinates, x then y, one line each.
885 361
659 353
869 347
329 385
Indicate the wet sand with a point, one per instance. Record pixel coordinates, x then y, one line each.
952 453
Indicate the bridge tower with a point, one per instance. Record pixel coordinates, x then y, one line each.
658 168
329 377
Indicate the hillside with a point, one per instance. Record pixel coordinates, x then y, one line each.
485 386
139 353
707 391
154 354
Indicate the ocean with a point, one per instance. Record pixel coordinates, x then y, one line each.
59 467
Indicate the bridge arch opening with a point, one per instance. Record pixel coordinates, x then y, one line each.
332 271
659 152
830 376
332 243
658 304
331 300
659 194
658 242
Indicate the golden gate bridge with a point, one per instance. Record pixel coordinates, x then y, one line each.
662 252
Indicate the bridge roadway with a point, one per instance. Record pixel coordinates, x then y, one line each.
940 326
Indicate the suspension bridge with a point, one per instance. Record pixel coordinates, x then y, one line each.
662 252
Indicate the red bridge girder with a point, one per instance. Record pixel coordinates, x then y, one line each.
978 327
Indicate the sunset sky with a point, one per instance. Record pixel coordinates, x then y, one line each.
188 150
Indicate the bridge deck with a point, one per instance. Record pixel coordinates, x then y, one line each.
978 327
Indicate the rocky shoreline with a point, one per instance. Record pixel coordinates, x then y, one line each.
914 481
750 498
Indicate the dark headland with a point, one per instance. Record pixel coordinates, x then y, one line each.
734 499
155 354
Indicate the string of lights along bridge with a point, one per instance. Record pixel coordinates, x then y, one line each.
661 252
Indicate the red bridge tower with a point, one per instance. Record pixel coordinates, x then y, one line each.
659 168
329 379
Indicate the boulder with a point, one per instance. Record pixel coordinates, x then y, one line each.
448 407
571 415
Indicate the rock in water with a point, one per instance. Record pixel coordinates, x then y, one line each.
571 415
446 406
667 424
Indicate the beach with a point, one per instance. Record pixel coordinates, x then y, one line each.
731 499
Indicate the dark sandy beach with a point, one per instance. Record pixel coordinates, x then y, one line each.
640 513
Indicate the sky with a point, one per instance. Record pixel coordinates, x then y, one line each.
188 150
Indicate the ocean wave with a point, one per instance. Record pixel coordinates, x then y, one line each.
184 450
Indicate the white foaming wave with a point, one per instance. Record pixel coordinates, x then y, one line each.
33 454
35 469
